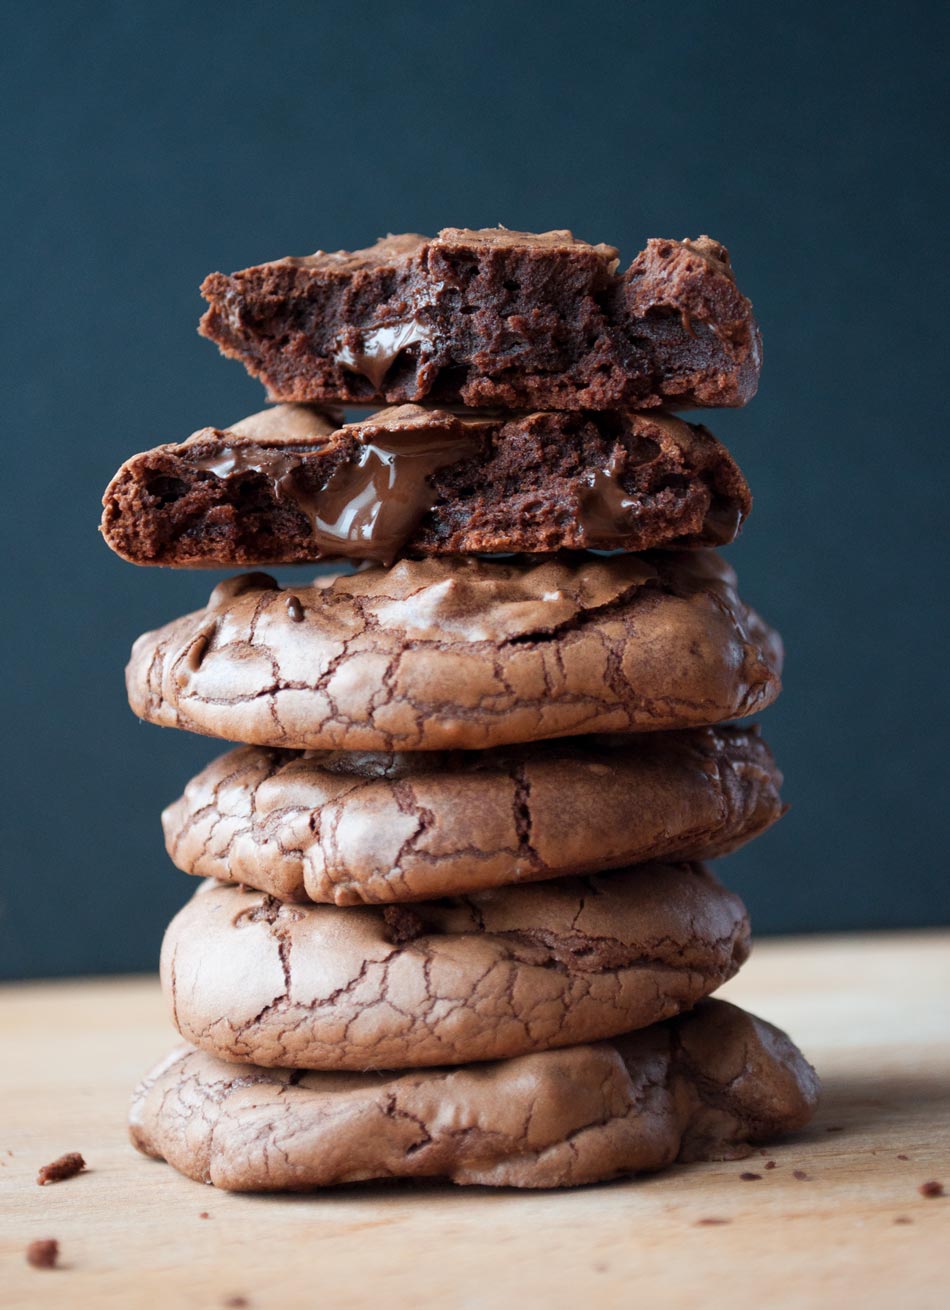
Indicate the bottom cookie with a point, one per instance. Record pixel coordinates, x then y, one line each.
706 1085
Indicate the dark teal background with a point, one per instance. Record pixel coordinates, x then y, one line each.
147 144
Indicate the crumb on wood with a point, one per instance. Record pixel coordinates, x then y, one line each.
903 1157
712 1221
835 1128
748 1177
43 1253
237 1301
931 1188
800 1175
203 1214
770 1164
903 1219
65 1166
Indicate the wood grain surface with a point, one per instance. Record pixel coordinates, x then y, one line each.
838 1221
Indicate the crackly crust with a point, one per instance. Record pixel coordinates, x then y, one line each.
462 653
351 828
485 977
497 483
492 317
707 1085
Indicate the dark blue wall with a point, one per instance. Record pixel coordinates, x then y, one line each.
155 142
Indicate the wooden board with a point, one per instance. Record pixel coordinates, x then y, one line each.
872 1012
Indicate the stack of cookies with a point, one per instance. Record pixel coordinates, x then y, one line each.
454 919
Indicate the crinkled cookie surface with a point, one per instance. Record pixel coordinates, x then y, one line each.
484 977
706 1085
462 653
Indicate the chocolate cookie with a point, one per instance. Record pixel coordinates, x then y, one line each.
423 482
485 977
445 653
493 317
347 828
709 1085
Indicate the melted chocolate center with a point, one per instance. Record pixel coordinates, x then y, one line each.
380 348
370 505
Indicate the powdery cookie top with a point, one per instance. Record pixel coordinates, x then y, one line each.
709 1085
462 653
485 977
344 827
287 486
493 317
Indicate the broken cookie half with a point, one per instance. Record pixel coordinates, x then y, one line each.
292 485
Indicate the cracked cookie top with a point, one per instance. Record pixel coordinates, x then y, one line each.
483 977
708 1085
353 827
462 653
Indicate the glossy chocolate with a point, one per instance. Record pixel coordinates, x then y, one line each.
380 348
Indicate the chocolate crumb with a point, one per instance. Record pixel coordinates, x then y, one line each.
43 1253
903 1219
800 1175
750 1178
903 1157
930 1189
711 1222
402 924
770 1164
294 609
237 1301
203 1214
66 1166
835 1128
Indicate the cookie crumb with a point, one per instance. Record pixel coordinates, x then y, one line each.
236 1301
43 1253
402 924
750 1178
931 1188
903 1219
835 1128
800 1175
203 1214
770 1164
66 1166
903 1157
711 1222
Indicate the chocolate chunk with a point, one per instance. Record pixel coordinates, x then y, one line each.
67 1166
423 482
402 924
931 1189
493 317
43 1253
750 1177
